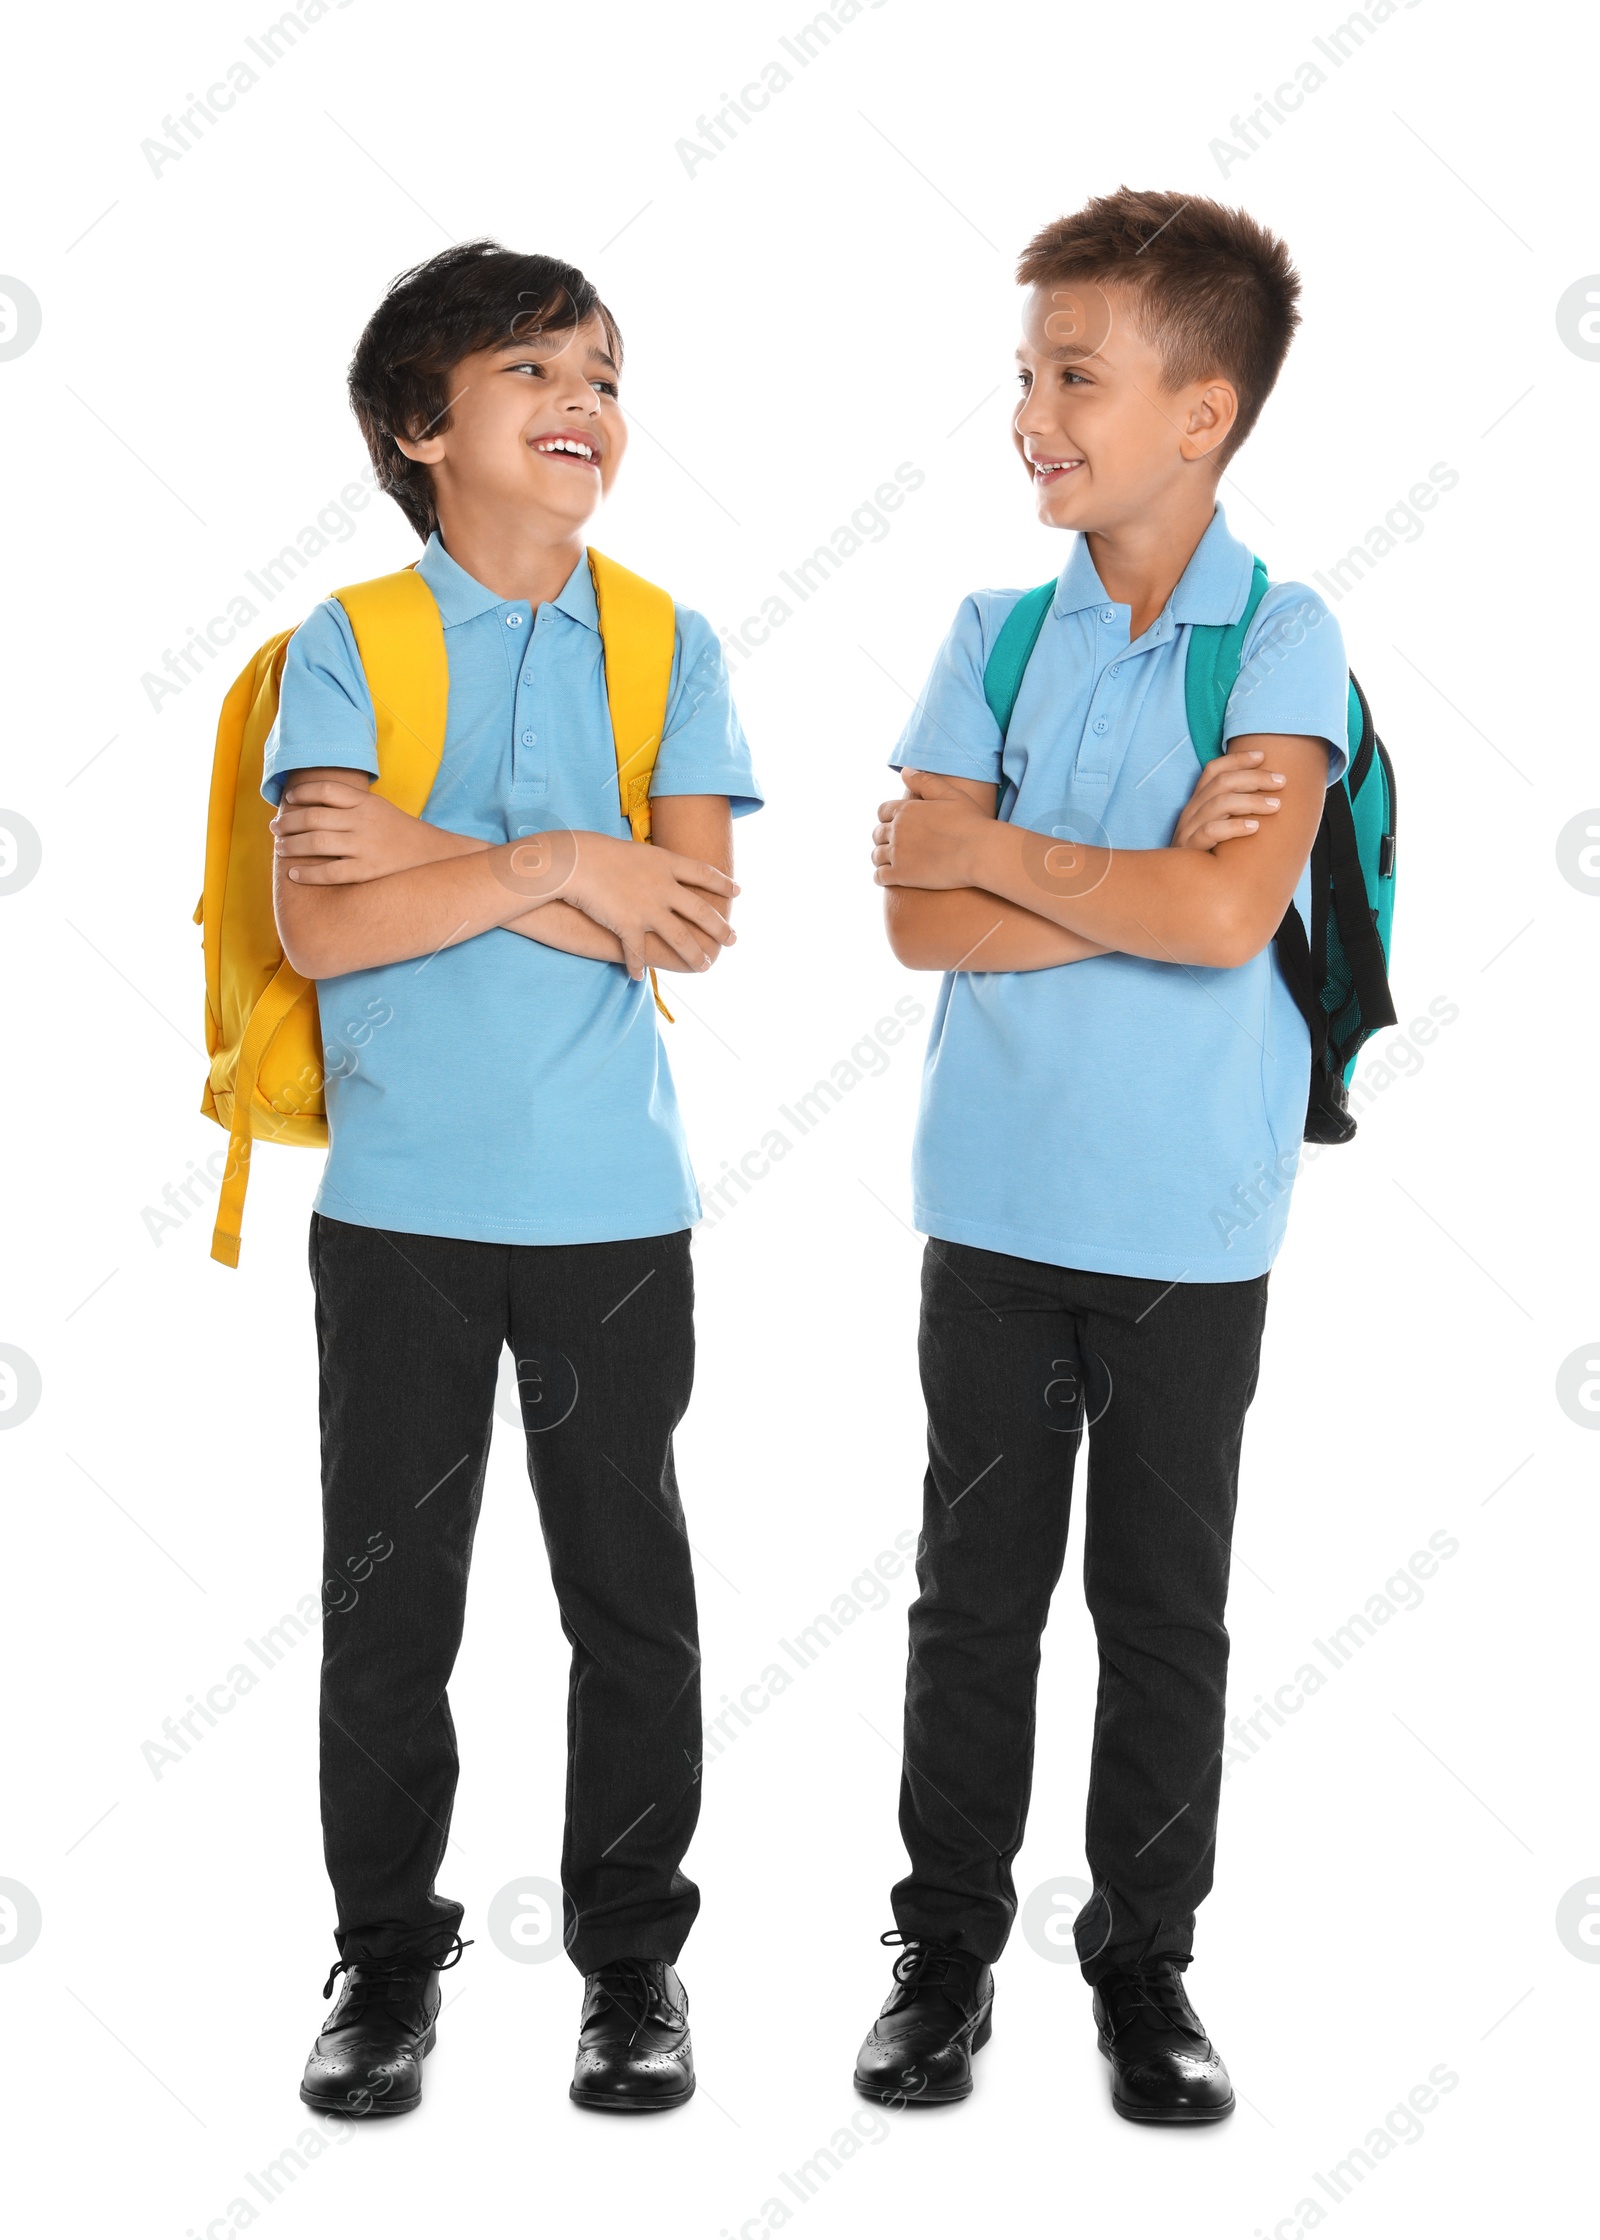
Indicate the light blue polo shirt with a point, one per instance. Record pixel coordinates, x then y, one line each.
1131 1117
502 1091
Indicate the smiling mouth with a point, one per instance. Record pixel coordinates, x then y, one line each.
576 448
1052 470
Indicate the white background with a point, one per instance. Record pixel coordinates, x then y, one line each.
826 298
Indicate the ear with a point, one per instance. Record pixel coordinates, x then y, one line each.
427 451
1210 418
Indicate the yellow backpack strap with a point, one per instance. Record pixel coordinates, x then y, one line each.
247 716
399 635
242 727
638 631
276 1000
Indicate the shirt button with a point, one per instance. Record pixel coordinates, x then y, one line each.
1100 723
1115 670
527 676
530 738
513 622
1108 614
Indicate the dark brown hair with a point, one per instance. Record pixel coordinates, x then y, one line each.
465 299
1215 291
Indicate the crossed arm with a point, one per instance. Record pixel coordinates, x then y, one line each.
357 882
966 892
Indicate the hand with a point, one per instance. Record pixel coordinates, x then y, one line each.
333 834
925 839
1230 800
635 891
928 785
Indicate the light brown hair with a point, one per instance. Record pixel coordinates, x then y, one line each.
1214 291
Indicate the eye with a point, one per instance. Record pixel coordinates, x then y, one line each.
604 388
526 365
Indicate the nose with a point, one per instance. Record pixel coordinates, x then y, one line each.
1026 419
581 398
574 394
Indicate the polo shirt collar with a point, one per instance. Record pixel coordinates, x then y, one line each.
1213 587
461 596
1216 583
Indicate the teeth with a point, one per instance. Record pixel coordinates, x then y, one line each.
566 443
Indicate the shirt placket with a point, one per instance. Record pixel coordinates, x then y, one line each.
1099 748
530 765
1105 732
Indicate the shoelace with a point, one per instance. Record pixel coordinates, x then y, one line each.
1154 1995
398 1964
924 1964
628 1983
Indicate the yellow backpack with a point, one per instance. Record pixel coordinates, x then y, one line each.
263 1034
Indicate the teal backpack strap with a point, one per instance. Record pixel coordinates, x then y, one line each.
1211 669
1019 634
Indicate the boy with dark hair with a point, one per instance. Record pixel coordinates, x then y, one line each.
1116 1063
506 1161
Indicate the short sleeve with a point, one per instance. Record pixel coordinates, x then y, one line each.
324 708
1293 677
952 729
703 748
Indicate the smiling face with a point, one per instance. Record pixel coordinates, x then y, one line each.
534 432
1106 443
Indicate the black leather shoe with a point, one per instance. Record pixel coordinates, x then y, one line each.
919 2051
634 2054
1164 2069
368 2059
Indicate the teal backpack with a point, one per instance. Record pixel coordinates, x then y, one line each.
1337 969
